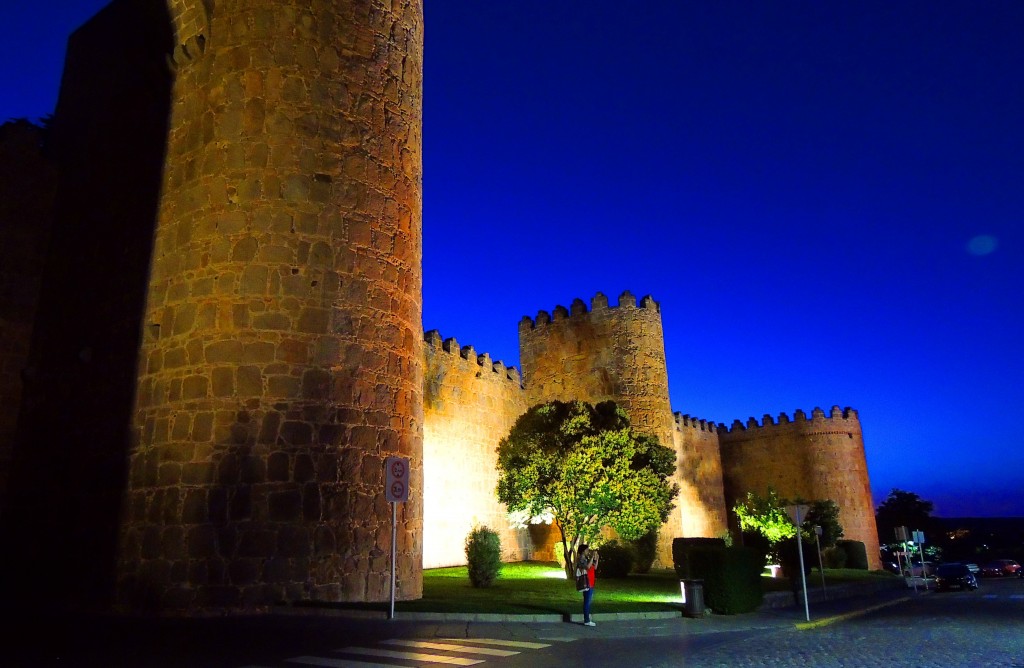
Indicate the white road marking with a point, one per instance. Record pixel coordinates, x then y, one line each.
501 643
991 595
450 647
414 656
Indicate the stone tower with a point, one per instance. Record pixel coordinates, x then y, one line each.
281 362
611 353
817 458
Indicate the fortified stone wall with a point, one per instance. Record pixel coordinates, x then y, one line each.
27 183
701 500
817 458
606 353
470 403
281 362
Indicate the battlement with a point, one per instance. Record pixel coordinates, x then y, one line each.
598 304
451 347
799 417
690 422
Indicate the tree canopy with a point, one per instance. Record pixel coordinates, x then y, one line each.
767 516
905 509
586 466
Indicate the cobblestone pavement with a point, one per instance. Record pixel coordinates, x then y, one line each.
948 630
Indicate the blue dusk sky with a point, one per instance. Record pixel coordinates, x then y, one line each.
826 198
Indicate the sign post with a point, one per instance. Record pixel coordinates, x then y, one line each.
821 567
902 537
396 490
919 539
797 514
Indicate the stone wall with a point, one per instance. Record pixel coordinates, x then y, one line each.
612 353
470 403
701 502
28 181
814 459
281 362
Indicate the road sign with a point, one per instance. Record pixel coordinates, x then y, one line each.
919 537
901 534
396 482
797 513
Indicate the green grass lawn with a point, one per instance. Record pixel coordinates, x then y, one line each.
541 588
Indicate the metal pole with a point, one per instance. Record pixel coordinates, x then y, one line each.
803 573
394 540
924 575
821 568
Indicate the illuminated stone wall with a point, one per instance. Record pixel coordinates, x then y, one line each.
701 502
606 353
281 361
470 403
817 458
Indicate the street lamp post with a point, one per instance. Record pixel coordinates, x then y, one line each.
821 568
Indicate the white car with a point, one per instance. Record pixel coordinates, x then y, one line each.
914 569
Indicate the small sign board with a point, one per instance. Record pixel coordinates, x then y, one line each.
797 513
396 479
902 535
919 537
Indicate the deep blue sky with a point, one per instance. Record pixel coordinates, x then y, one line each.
797 183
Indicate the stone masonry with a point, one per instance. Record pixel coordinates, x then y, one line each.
229 343
281 360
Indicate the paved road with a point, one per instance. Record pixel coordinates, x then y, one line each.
984 628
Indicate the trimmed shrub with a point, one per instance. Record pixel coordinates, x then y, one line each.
483 556
681 548
834 557
645 549
789 558
616 560
732 577
856 553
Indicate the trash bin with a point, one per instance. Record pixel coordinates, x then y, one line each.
693 598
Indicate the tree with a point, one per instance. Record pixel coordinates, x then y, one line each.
902 509
825 514
765 515
585 466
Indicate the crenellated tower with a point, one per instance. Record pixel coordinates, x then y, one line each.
821 457
281 355
618 353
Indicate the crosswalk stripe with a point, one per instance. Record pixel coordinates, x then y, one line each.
991 595
501 643
450 647
1016 595
416 656
336 663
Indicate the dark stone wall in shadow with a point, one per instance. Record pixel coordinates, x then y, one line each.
69 468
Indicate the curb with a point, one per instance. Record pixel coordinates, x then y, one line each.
825 621
554 617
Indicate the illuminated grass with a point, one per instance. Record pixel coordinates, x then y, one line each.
541 588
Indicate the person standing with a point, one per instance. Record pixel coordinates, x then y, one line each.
586 575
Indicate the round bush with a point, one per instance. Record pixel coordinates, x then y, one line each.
834 557
616 560
645 549
483 556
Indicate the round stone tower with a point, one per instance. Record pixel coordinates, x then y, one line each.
607 353
281 359
814 459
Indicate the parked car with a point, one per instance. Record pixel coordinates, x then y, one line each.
954 576
915 569
1000 567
